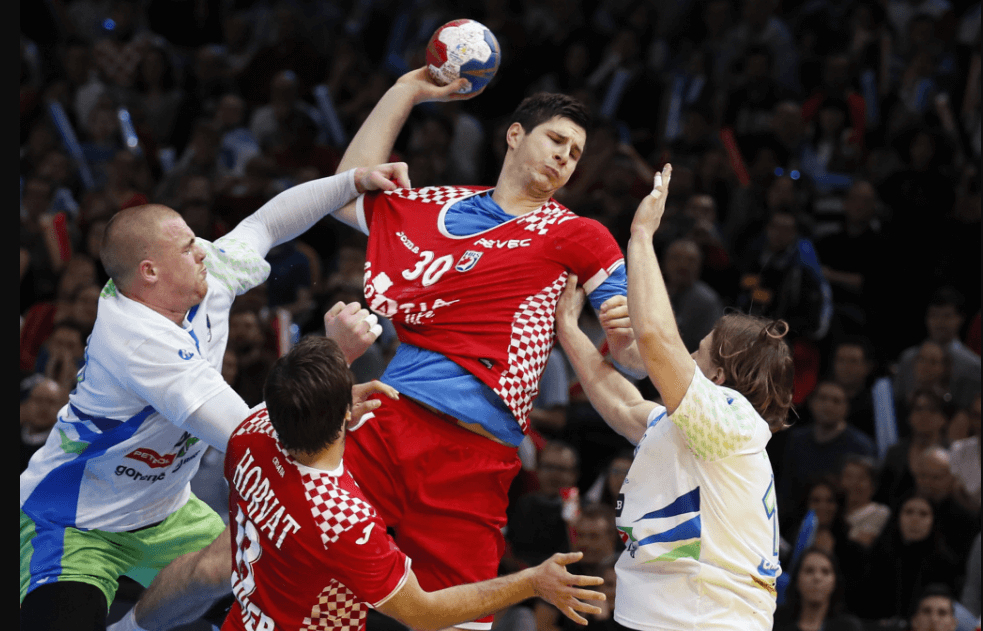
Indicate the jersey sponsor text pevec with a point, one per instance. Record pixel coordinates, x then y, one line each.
698 517
485 301
309 551
117 458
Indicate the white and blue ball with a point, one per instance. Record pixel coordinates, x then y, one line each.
463 48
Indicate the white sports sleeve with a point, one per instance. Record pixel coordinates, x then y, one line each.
294 211
217 418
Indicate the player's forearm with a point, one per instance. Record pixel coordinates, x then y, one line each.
612 396
374 141
463 603
294 211
659 343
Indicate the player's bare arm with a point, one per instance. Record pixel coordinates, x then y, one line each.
666 359
446 607
618 402
374 141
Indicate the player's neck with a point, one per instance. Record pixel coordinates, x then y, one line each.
327 459
515 199
146 298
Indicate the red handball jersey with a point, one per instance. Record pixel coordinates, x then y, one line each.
485 301
308 550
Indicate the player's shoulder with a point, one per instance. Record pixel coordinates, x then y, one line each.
432 194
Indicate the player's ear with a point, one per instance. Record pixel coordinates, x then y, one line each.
514 135
147 271
717 376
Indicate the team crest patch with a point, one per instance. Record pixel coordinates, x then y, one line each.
468 261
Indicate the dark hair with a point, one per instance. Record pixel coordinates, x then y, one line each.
308 394
757 362
867 463
561 445
946 297
540 107
934 590
835 599
856 340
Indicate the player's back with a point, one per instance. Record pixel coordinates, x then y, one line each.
308 549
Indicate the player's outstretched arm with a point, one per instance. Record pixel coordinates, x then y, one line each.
454 605
667 361
618 402
295 210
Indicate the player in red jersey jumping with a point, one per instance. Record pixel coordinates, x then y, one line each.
470 277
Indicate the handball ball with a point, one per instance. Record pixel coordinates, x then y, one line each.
463 48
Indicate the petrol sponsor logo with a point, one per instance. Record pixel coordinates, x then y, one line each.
468 261
151 458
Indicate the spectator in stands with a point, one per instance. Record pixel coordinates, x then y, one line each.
63 354
926 421
852 257
934 610
249 340
852 366
782 278
864 517
594 533
815 597
695 304
909 556
965 457
815 450
944 318
607 487
38 413
934 481
970 598
536 524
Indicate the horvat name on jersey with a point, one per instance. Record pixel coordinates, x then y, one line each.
263 509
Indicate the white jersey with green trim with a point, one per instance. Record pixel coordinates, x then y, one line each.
118 458
698 516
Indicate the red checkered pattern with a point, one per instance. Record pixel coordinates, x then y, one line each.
529 348
259 422
549 214
337 609
433 194
334 509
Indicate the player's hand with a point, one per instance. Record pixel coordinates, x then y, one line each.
570 305
382 177
423 88
352 327
362 404
614 318
554 584
648 216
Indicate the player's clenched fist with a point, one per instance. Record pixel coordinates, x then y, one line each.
352 327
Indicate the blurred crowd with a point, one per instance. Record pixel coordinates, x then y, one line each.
826 163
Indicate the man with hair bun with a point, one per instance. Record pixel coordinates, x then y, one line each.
697 511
